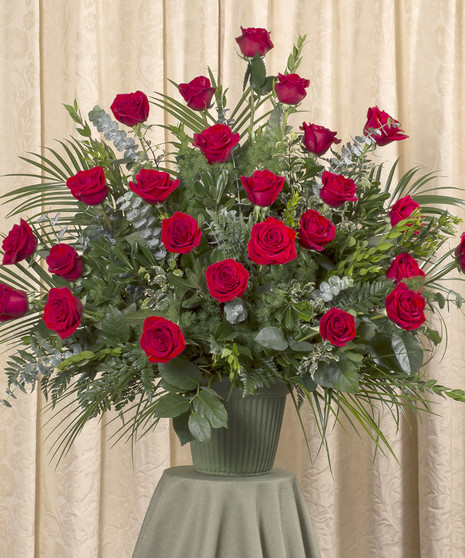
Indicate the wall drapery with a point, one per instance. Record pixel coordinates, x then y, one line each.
407 57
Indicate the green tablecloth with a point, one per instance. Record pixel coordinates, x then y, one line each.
192 515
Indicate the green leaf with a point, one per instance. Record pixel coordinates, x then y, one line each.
181 373
181 427
114 328
257 72
171 405
302 346
199 427
272 338
342 375
276 119
206 403
408 352
80 359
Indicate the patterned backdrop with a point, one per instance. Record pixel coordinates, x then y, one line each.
406 56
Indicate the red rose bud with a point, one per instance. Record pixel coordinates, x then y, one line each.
216 142
63 260
403 267
62 312
253 40
13 303
153 186
405 307
131 108
180 233
337 189
271 242
88 186
226 280
263 187
382 127
19 243
402 209
161 339
197 93
290 89
315 230
460 253
318 139
337 327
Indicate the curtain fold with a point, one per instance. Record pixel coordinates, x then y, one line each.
407 57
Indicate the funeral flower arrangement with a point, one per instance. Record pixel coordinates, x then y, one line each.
241 248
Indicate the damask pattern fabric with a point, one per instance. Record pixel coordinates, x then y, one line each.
407 58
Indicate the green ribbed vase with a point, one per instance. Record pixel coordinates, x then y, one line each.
248 446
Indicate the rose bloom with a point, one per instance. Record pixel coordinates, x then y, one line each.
226 280
253 40
290 88
460 253
64 261
388 129
403 267
271 242
337 327
315 230
263 187
197 93
318 139
337 189
13 303
153 186
88 186
180 233
131 108
19 243
161 339
402 209
62 312
216 142
405 307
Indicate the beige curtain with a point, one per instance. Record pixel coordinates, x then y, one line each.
407 56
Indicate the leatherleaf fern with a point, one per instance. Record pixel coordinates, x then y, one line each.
238 248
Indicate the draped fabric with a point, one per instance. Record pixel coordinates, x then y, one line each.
405 56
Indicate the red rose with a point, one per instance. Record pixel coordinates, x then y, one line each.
13 303
19 243
88 186
403 267
402 209
180 233
161 339
131 108
253 40
62 312
271 242
460 253
63 260
226 280
290 88
216 142
197 93
153 186
382 127
405 307
337 327
263 187
337 189
318 139
315 230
